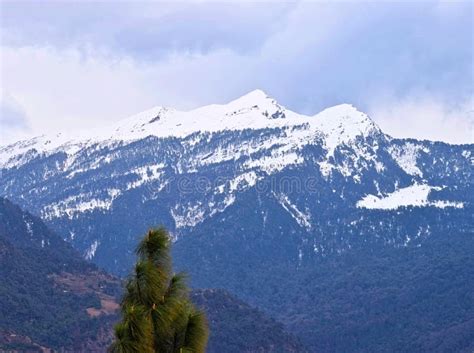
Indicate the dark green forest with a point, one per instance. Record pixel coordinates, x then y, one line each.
46 290
406 299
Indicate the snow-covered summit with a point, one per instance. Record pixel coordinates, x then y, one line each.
343 123
256 96
254 110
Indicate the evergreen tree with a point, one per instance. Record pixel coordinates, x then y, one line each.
157 315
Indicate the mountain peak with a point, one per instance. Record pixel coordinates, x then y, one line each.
342 123
256 97
346 114
254 110
344 109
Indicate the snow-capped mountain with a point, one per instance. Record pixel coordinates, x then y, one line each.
291 187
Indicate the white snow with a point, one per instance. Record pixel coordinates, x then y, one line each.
468 155
188 216
145 174
444 204
90 253
255 110
303 219
229 199
275 162
360 157
341 124
326 168
415 195
29 226
76 204
243 181
406 157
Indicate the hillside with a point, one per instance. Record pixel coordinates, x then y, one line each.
236 327
51 298
403 300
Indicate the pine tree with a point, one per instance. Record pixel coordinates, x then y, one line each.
157 315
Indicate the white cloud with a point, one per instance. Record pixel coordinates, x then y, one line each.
425 117
12 115
310 56
60 90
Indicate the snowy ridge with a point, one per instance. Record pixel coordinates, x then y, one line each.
255 110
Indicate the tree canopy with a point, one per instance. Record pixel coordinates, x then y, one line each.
157 314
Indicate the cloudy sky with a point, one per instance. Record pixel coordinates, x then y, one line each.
68 65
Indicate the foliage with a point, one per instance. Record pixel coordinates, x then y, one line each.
41 313
237 327
413 298
157 315
32 304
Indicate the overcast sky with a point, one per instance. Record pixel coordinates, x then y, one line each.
68 65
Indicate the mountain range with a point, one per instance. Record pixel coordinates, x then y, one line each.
267 203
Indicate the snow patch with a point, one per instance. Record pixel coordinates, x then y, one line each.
304 220
188 216
29 226
414 195
243 181
406 156
145 174
468 155
275 162
90 252
81 203
191 215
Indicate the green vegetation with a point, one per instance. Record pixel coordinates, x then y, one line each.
51 298
407 299
237 327
157 315
38 308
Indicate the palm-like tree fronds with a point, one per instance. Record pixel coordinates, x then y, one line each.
197 332
157 313
150 282
134 334
166 316
155 247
